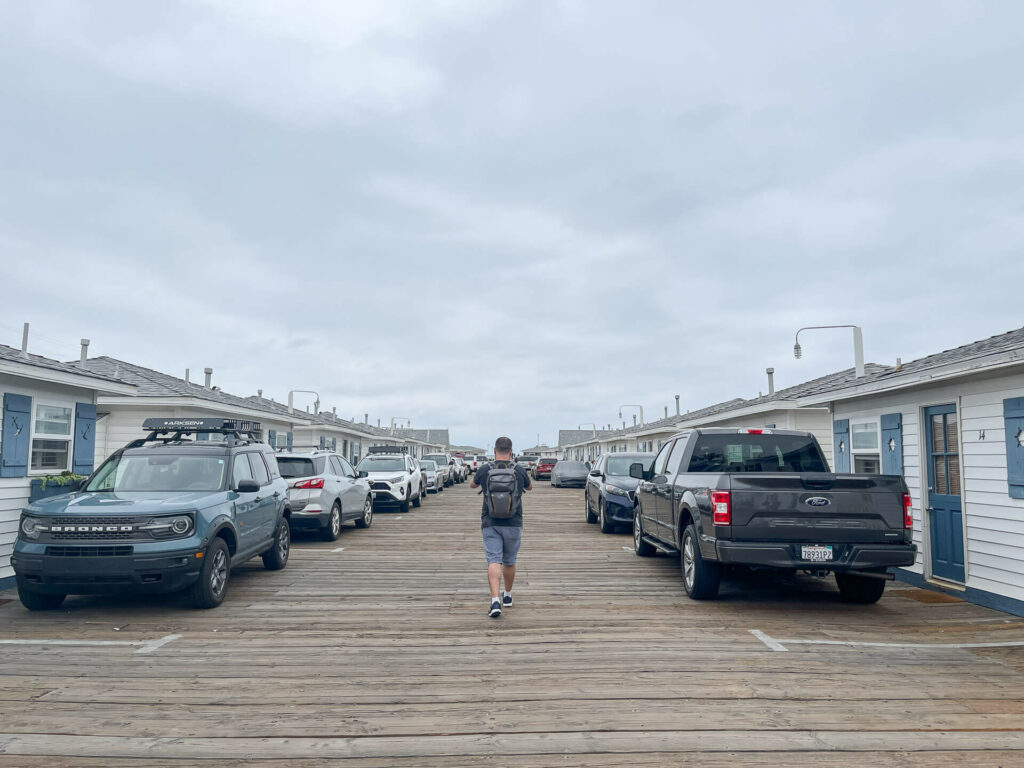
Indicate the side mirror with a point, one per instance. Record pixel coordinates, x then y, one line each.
595 473
248 486
636 471
363 473
77 485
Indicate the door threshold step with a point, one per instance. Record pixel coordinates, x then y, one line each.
659 545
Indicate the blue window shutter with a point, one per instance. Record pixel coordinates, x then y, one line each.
841 444
892 444
1013 415
290 438
85 439
17 428
272 437
323 441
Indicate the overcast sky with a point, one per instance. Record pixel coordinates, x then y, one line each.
509 217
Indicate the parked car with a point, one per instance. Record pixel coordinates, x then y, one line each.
446 464
163 514
435 477
462 469
567 474
766 499
610 491
527 462
475 462
423 478
324 491
394 479
543 468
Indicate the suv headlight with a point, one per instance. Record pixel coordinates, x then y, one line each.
175 526
30 527
398 479
615 490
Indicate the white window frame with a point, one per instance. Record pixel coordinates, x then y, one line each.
56 403
876 451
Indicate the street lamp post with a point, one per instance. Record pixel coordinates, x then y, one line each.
291 399
633 406
858 345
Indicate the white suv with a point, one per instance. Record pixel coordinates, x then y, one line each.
394 479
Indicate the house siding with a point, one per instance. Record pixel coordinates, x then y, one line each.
994 522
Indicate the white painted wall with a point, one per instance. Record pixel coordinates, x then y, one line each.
994 523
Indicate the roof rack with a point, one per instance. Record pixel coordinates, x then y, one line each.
387 449
172 430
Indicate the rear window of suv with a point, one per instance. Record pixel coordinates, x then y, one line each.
298 466
756 453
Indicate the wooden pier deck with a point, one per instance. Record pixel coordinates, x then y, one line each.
376 650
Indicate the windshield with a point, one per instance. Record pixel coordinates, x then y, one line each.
428 465
381 464
439 459
619 466
296 466
577 466
756 453
161 472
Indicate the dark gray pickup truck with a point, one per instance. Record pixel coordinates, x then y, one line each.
764 498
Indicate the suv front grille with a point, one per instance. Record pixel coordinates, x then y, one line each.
112 551
380 486
64 536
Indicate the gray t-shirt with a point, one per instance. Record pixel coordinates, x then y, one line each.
523 481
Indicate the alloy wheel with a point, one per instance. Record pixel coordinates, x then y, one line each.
335 520
689 566
637 531
367 511
219 572
284 540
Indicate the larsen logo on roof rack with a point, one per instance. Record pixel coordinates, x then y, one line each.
201 425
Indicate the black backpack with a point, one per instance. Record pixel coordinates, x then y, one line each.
503 492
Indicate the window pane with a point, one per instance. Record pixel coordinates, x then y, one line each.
50 454
259 469
53 420
952 443
939 465
864 436
953 462
867 463
240 470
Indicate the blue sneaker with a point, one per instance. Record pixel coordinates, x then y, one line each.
495 610
506 599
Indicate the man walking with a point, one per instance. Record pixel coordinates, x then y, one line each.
501 521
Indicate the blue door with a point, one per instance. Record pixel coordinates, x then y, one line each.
945 508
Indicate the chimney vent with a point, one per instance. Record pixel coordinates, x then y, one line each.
771 380
677 405
85 353
666 411
209 376
366 418
24 340
334 411
259 393
187 372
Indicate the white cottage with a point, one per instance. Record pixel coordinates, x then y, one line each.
953 425
48 427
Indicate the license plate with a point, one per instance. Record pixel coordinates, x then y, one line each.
816 553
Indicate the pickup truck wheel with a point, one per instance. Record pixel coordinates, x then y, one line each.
854 588
641 547
38 601
602 517
590 518
276 558
212 585
367 519
332 530
701 579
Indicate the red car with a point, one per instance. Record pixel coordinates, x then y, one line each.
543 468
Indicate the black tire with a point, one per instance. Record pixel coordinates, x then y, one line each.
417 501
39 601
589 516
367 519
212 585
602 517
332 530
701 578
276 558
854 588
640 547
403 506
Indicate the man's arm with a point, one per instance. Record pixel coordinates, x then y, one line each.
527 482
478 478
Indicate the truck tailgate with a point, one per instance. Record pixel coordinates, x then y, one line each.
814 507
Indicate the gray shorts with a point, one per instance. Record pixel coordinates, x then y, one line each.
501 543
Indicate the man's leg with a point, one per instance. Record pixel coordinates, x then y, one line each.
494 578
509 573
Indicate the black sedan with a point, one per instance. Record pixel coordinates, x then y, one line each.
611 492
569 474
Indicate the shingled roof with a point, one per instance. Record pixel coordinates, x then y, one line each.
38 361
432 436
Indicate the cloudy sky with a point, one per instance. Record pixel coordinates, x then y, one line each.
509 217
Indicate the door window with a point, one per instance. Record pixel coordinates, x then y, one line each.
346 468
945 454
240 470
662 459
336 467
259 469
676 457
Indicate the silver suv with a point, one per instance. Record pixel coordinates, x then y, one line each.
324 491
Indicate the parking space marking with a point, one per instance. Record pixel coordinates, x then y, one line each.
339 549
628 549
779 644
143 646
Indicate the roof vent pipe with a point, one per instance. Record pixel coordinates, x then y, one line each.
366 418
677 405
24 340
771 380
259 393
378 423
666 411
334 411
85 353
209 376
187 373
634 419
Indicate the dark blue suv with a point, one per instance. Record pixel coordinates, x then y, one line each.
165 513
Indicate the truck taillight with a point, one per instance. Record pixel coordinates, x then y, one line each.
317 482
721 511
908 515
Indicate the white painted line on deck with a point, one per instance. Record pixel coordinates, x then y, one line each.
779 644
339 549
144 646
628 549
